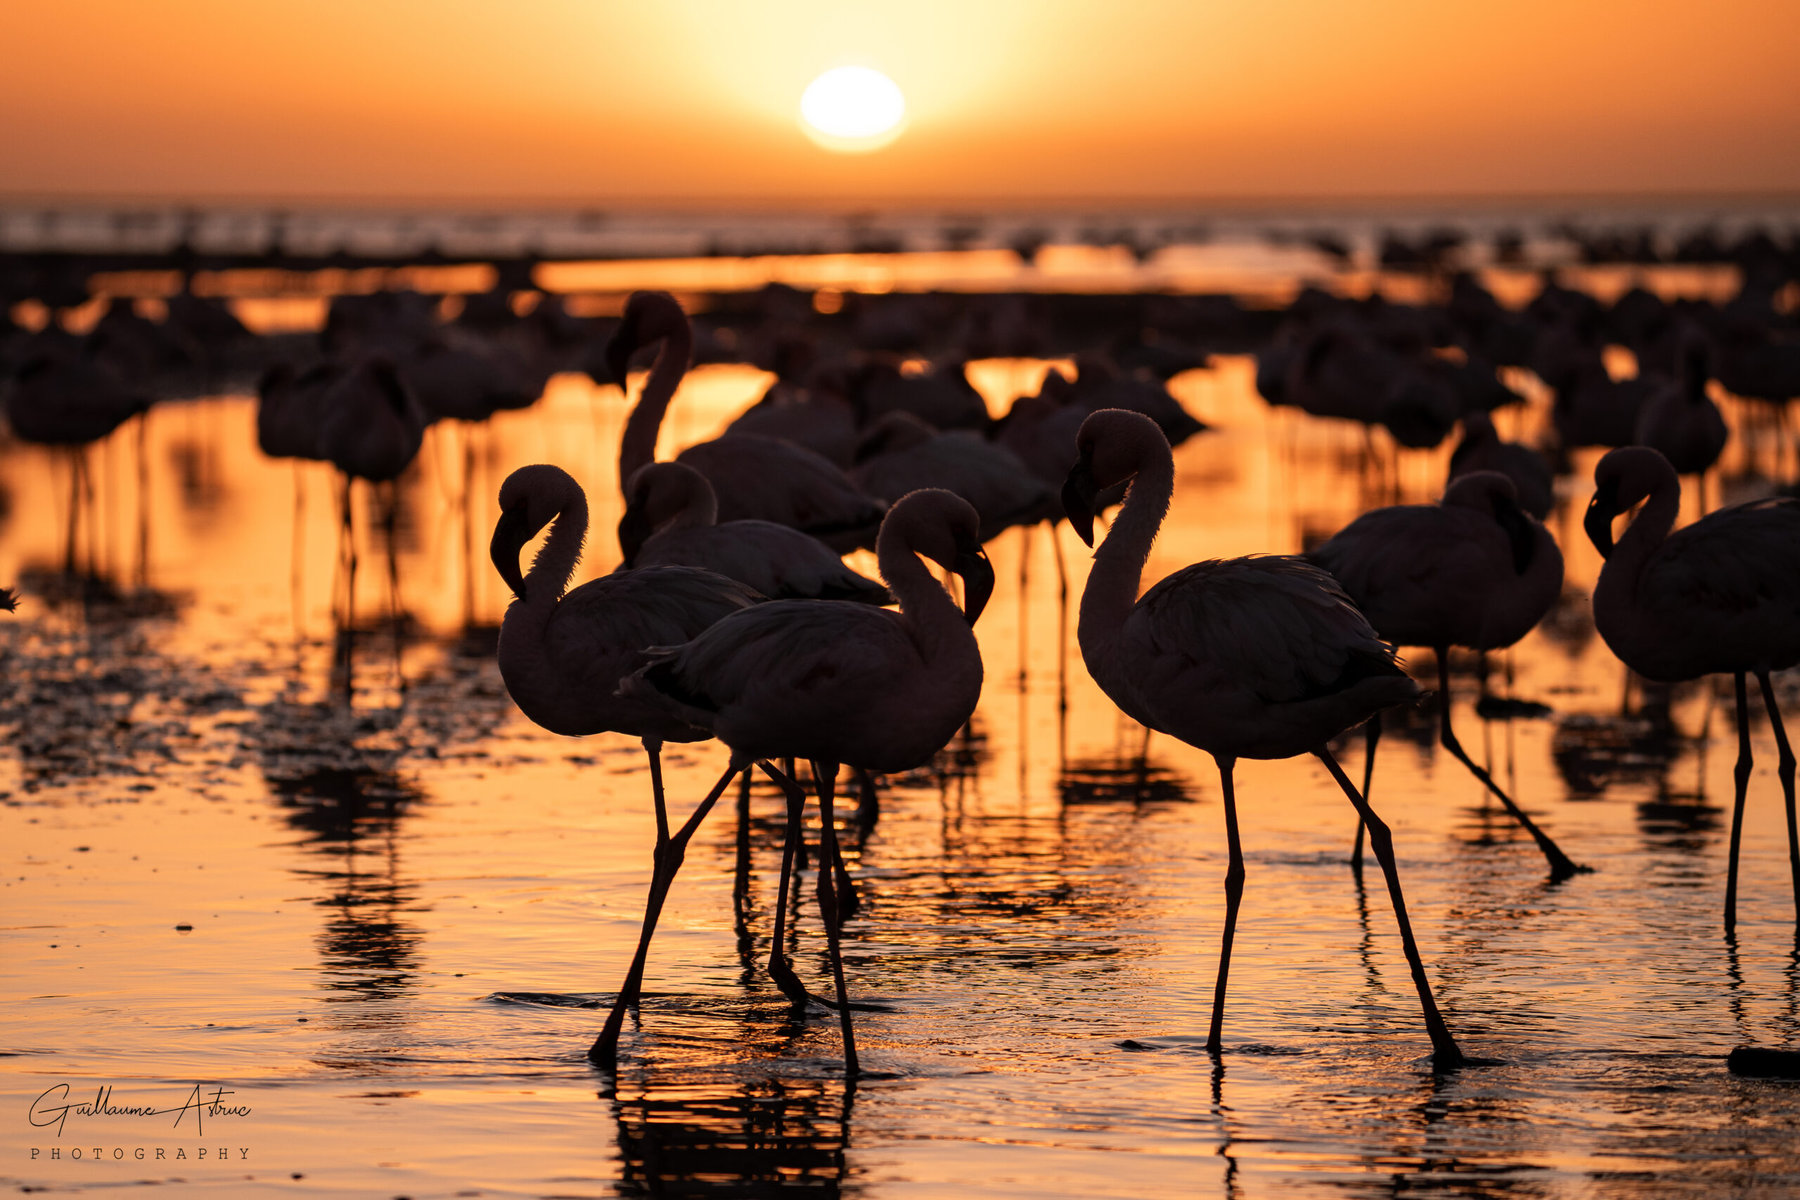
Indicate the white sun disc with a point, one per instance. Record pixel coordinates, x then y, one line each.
853 108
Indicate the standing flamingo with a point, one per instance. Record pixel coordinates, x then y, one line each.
1473 570
671 518
562 656
1260 657
1720 596
839 683
754 477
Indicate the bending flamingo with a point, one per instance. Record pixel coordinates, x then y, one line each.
839 684
562 657
1720 596
1260 657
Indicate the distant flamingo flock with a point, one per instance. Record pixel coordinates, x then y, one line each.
732 615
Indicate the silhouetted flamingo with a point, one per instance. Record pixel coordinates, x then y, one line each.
839 683
1680 421
754 477
1719 596
1473 570
1260 657
901 453
1481 449
671 518
562 657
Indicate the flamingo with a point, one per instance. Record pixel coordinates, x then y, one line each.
839 684
1473 570
901 453
57 399
671 517
1679 420
1481 449
562 654
754 477
1720 596
1259 657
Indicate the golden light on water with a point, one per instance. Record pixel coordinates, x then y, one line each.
853 110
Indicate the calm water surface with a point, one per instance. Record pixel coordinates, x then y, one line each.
384 928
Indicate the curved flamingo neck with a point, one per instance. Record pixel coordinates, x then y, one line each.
1113 584
931 615
637 447
1646 533
554 564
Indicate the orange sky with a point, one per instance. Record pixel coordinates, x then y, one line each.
595 101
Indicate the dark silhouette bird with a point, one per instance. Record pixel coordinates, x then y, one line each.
754 477
1481 449
900 453
1260 657
562 654
1473 570
838 684
58 399
1679 420
1721 596
671 518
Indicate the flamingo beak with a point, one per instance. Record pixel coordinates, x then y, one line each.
511 533
1600 513
1080 497
978 579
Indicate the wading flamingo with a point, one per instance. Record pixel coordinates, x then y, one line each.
1260 657
839 683
671 518
754 477
562 656
1721 596
1474 570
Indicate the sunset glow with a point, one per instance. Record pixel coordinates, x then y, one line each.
853 110
1004 100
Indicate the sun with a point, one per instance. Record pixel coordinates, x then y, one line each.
852 110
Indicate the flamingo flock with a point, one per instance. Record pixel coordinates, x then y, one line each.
733 616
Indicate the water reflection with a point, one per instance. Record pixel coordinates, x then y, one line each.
1138 779
773 1134
1016 923
369 950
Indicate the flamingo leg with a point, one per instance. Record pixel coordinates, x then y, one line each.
831 864
1371 739
669 853
779 969
349 542
845 902
740 883
1445 1054
868 801
393 565
1740 775
1785 769
1560 865
1234 893
74 510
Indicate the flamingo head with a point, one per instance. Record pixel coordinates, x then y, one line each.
1111 446
530 499
649 317
1623 479
945 528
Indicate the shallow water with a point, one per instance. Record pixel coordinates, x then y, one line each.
385 928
